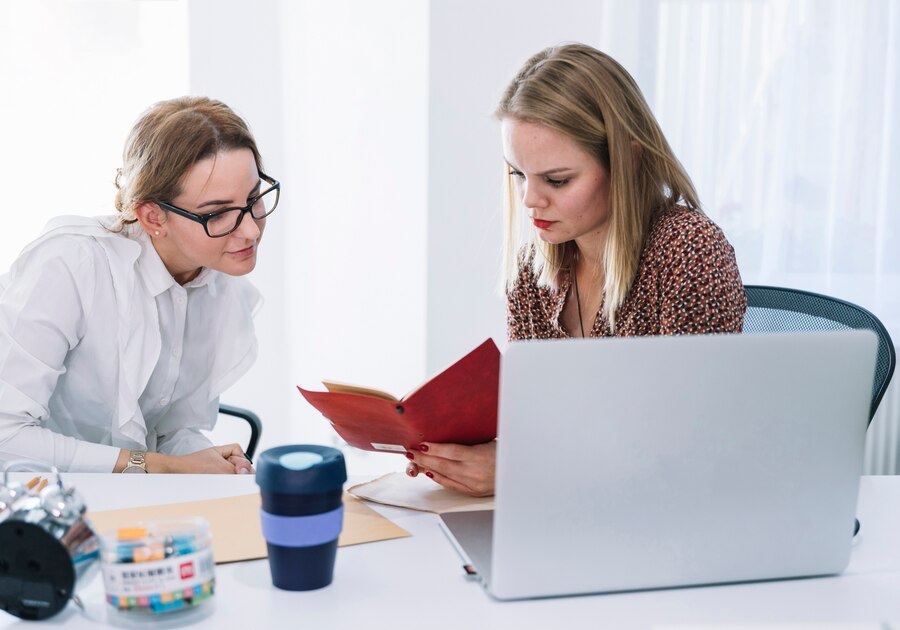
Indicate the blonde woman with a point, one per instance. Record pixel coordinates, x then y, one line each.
118 333
617 244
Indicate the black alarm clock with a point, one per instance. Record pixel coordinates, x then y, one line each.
46 545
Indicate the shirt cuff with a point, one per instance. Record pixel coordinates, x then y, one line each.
90 457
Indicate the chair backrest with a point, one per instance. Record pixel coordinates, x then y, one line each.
777 309
255 425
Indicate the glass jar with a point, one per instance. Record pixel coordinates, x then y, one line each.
156 567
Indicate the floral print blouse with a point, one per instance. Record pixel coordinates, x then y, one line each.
687 282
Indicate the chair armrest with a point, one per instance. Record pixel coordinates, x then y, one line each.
252 419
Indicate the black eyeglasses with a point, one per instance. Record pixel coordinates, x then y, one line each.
224 222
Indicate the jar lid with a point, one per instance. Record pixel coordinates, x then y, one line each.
144 541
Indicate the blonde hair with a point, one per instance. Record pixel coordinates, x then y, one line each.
167 140
589 97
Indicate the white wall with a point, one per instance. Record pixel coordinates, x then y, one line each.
336 94
475 48
355 135
74 76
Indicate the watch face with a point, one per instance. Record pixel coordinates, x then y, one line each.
131 468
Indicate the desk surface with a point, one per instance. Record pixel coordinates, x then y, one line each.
418 581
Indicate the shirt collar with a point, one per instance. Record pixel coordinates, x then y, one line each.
204 279
157 278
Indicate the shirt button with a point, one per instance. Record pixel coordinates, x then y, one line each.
181 299
175 352
163 402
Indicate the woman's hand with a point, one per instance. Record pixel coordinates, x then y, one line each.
466 469
227 459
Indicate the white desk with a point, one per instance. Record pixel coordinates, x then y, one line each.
418 582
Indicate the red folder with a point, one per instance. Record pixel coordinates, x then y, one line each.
458 405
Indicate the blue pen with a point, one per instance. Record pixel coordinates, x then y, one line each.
182 545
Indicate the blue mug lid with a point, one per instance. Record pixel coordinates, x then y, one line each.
300 469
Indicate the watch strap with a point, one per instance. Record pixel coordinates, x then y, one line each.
136 460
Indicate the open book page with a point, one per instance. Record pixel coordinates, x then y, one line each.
479 350
417 493
347 388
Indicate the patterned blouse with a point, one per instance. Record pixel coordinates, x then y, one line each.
687 282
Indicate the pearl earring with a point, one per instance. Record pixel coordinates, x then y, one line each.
157 232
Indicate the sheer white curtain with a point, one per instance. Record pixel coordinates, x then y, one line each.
785 113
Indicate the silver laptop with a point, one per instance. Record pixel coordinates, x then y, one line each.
656 462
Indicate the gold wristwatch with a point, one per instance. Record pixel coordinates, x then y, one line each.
137 462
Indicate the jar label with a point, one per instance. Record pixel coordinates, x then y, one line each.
181 579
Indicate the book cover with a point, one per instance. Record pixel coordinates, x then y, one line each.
458 405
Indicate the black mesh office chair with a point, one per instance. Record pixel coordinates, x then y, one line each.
776 309
252 419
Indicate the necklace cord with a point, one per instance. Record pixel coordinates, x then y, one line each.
577 299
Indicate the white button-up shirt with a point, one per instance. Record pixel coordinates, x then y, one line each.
101 349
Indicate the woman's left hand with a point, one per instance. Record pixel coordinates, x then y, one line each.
466 469
228 458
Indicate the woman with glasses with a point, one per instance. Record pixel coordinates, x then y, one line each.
119 333
614 241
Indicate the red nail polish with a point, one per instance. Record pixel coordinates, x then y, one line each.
409 455
429 475
423 448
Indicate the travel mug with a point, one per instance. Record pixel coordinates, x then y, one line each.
302 512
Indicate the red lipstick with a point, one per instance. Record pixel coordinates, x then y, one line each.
541 224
